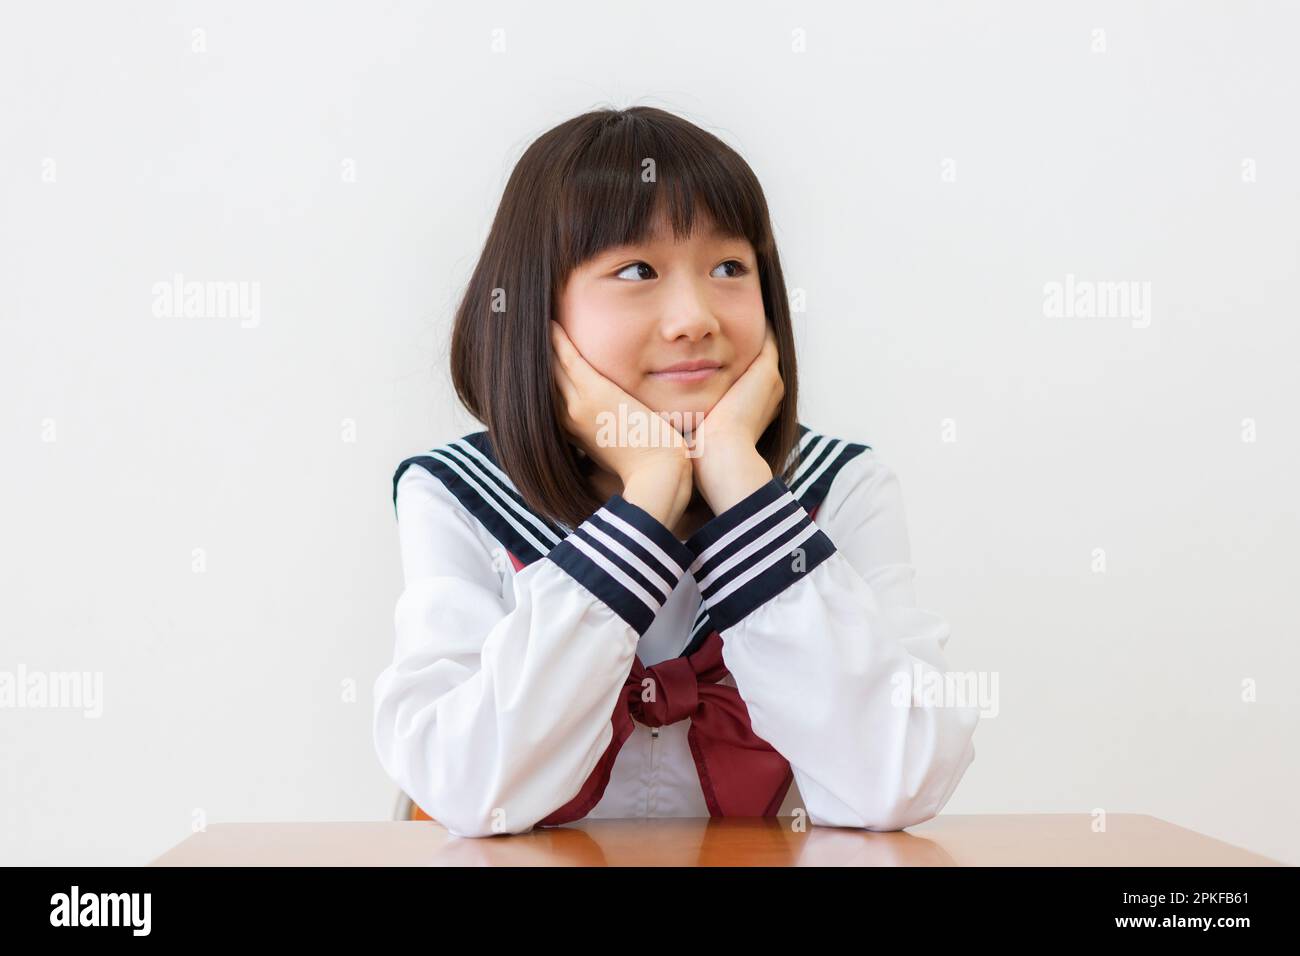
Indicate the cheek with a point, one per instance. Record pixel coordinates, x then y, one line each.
609 345
746 331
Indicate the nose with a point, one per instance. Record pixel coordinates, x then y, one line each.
686 312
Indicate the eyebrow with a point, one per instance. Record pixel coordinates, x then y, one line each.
716 234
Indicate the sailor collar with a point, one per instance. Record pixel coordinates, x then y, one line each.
469 469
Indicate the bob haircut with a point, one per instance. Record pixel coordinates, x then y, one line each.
581 188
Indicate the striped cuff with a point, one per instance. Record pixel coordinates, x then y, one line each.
753 551
624 556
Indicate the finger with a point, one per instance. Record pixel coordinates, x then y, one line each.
575 363
560 344
570 358
560 367
567 389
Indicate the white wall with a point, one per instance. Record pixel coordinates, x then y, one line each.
222 690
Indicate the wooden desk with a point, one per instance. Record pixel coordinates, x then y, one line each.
1042 839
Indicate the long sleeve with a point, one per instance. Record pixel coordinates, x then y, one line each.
489 717
824 639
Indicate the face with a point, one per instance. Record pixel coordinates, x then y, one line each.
637 311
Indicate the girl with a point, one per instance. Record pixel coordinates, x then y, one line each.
617 601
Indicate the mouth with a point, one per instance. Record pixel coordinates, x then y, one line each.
688 372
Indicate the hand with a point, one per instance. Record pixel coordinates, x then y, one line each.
740 417
656 473
725 458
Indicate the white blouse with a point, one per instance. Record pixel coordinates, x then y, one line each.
497 705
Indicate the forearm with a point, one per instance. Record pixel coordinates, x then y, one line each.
664 493
824 668
728 471
490 737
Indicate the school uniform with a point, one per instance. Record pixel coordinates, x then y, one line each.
544 674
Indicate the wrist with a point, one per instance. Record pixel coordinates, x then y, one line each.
662 491
727 476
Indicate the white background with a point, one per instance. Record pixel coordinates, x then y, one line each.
224 690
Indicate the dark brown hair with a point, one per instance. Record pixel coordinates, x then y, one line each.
577 190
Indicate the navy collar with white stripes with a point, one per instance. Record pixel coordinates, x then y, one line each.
469 469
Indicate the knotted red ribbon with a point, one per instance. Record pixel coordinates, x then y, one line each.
740 773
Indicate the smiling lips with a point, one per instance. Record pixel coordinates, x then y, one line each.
688 372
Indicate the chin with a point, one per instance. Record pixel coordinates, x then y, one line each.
686 416
684 410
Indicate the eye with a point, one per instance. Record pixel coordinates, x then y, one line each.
639 277
739 270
